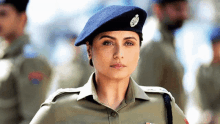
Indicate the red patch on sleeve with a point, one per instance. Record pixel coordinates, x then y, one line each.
35 75
186 121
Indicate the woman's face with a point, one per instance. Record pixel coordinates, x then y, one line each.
115 54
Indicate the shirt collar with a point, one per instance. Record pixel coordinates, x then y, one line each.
88 89
17 46
133 92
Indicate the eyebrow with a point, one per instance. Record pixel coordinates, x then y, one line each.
107 36
130 38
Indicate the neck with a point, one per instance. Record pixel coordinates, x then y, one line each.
111 92
216 61
166 35
13 36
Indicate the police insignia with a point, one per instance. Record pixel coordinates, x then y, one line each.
149 123
134 20
35 77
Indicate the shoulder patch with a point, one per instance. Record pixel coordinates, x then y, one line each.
59 92
160 90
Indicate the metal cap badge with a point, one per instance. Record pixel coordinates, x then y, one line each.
134 21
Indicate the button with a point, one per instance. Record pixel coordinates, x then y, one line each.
113 114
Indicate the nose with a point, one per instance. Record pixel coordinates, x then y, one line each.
118 53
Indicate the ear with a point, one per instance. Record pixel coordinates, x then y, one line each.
89 50
23 18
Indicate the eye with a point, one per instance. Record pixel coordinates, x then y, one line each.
128 43
107 43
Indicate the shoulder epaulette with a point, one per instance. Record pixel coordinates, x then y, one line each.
160 90
59 92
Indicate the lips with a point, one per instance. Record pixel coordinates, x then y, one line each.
118 66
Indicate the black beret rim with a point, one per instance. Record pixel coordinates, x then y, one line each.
87 39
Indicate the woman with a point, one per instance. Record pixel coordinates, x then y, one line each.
113 38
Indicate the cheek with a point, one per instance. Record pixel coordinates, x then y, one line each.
8 23
132 56
102 56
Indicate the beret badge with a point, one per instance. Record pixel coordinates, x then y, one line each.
134 20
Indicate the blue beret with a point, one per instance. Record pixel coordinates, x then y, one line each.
166 1
113 18
20 5
215 34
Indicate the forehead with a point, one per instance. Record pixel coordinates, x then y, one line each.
119 34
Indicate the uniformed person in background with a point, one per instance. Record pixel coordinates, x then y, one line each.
72 74
159 65
208 81
24 78
113 38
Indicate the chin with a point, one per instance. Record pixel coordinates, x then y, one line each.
118 75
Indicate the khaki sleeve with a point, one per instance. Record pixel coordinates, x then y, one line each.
178 115
150 68
205 87
33 75
45 115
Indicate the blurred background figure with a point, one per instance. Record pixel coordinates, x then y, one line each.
74 73
159 65
208 81
24 76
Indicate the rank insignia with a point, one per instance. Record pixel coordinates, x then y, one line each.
35 77
134 20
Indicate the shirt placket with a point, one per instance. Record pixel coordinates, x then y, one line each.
113 116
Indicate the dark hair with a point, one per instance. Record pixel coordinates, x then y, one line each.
165 2
19 5
92 38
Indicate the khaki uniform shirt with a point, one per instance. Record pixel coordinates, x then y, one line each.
216 4
23 83
141 105
208 81
159 66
